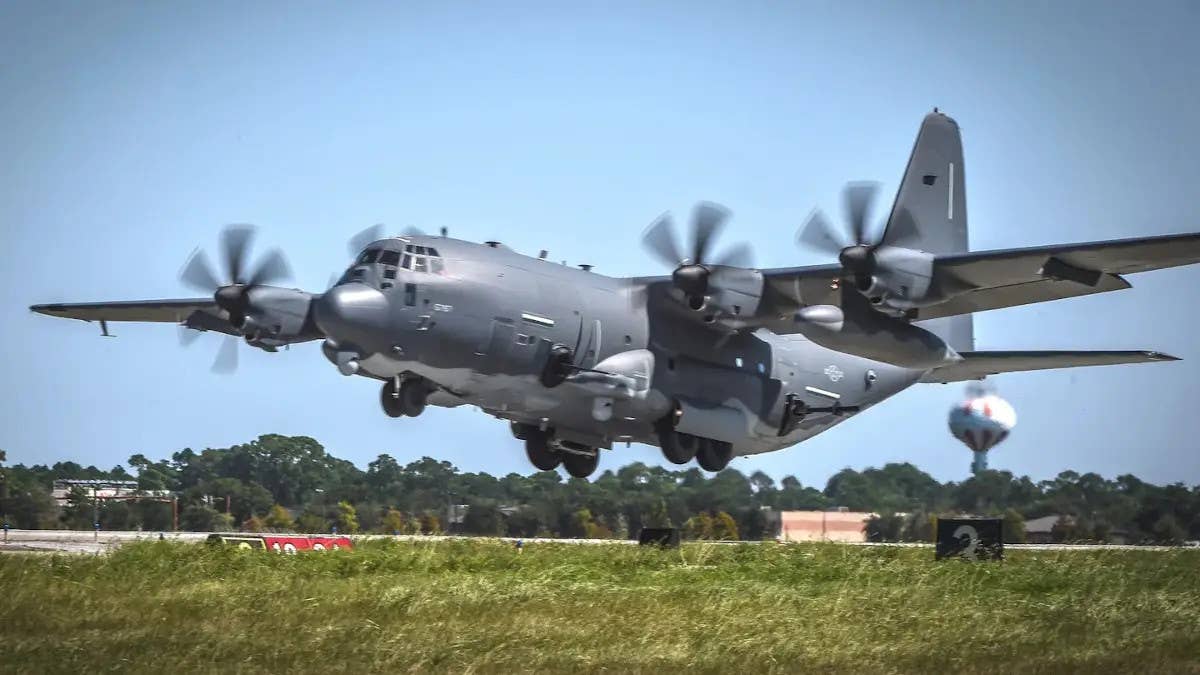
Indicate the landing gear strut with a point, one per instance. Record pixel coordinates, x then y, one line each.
409 401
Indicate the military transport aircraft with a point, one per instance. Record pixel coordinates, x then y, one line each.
716 360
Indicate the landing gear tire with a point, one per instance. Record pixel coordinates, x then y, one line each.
413 396
676 447
581 466
713 455
393 406
539 452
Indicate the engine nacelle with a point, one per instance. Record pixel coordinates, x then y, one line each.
278 316
733 292
904 279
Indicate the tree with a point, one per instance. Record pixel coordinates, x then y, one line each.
154 515
347 518
699 526
430 523
222 523
724 529
30 507
1168 531
279 520
117 516
254 524
657 515
483 518
79 512
392 522
885 527
1014 527
201 518
311 522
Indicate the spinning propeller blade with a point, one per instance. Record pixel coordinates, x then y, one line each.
233 295
858 259
691 274
359 241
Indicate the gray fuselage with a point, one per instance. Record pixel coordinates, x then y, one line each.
479 321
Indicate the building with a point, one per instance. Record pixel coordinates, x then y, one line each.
840 525
102 488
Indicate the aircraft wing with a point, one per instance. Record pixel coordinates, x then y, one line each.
1020 276
1007 277
978 365
201 313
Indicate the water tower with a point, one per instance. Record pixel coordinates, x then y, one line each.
980 422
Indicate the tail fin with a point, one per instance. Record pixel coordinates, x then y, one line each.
930 212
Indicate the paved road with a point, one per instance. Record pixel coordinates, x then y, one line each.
75 541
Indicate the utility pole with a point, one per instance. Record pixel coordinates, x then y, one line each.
95 513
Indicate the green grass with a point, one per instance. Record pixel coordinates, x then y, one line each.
478 606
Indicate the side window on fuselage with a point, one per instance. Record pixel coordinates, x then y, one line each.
410 295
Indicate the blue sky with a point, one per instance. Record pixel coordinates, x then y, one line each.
131 132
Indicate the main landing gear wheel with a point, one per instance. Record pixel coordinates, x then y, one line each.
539 452
413 396
678 448
581 466
713 455
410 402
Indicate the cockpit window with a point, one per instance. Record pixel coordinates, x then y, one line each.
389 258
431 251
407 264
368 256
419 264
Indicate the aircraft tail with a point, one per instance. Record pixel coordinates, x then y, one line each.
978 365
930 211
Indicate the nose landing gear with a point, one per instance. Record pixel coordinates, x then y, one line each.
407 401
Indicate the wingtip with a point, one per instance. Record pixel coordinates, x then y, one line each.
1159 356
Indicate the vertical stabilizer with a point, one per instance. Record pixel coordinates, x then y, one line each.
930 212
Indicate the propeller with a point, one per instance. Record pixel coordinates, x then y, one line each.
374 233
858 255
693 267
233 295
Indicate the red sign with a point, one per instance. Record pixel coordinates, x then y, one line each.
291 544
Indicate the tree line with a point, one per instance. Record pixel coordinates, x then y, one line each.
289 483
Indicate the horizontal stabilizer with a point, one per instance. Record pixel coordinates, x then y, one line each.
978 365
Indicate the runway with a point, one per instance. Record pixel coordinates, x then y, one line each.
82 541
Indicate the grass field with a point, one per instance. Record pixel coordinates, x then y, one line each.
478 606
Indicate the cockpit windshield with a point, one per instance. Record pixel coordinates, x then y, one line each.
421 259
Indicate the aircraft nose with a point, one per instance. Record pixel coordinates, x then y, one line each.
353 313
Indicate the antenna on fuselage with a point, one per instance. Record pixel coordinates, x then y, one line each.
445 232
542 254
